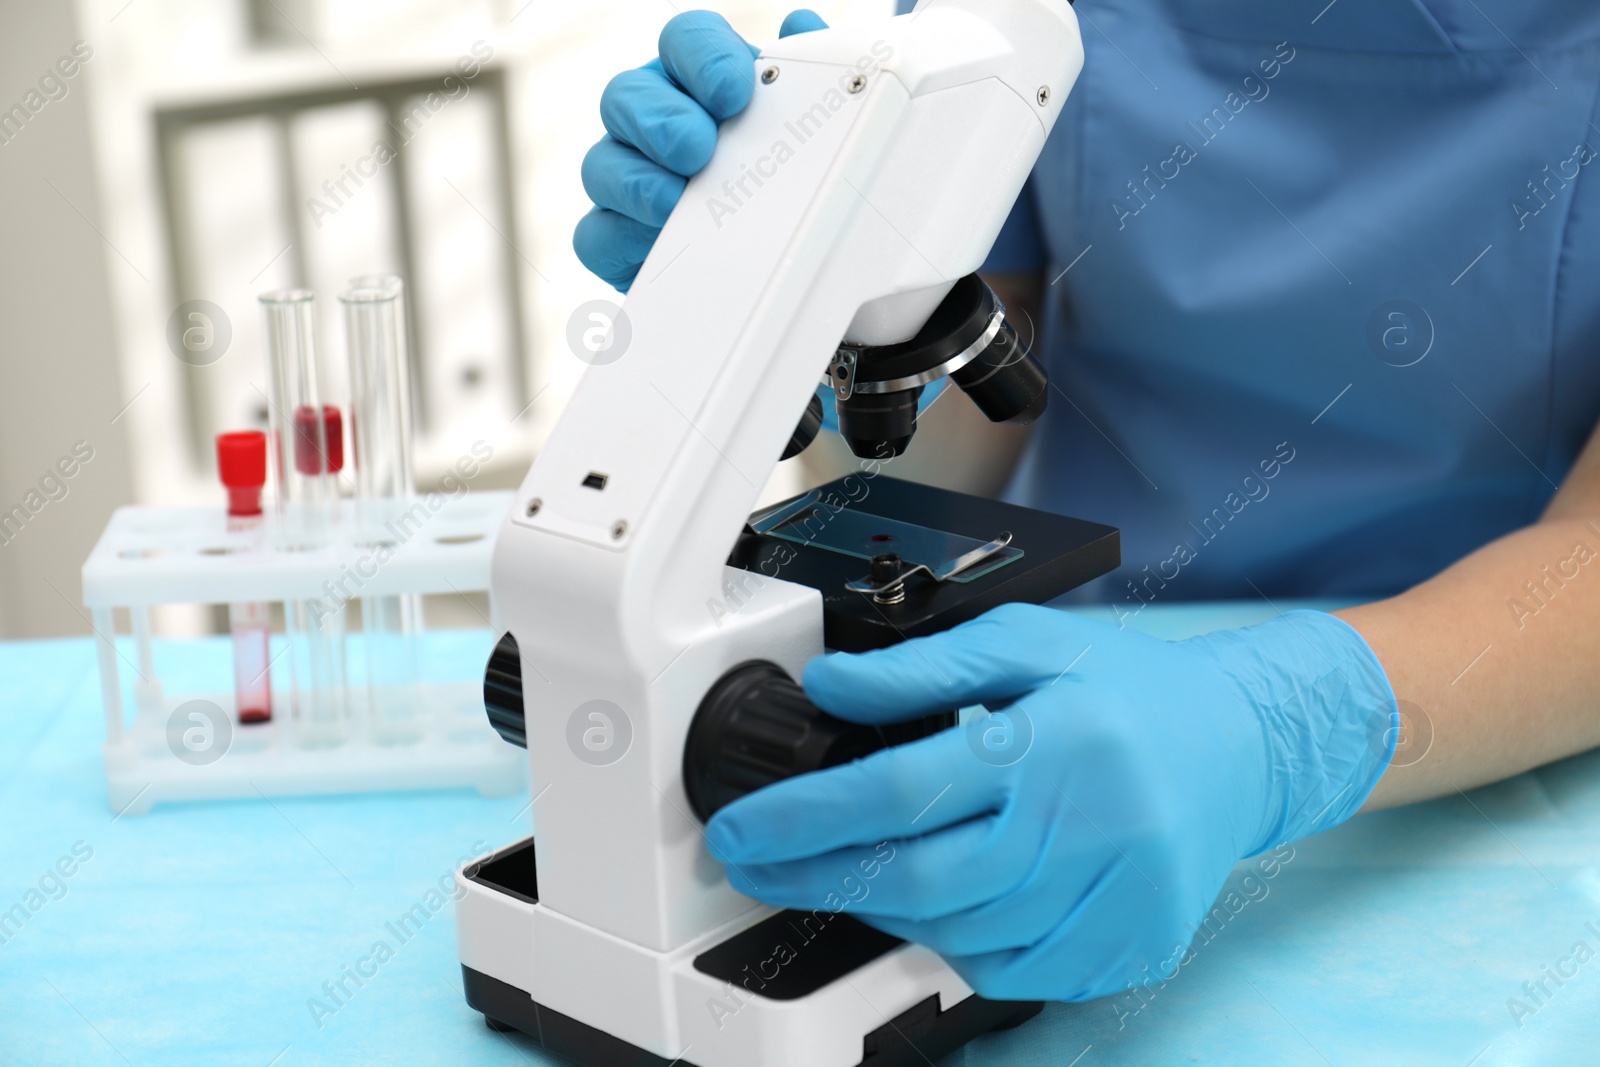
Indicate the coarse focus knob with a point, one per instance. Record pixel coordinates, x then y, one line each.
502 692
757 726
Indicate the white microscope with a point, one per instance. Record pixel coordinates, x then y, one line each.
654 628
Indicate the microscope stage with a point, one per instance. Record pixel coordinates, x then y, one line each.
826 539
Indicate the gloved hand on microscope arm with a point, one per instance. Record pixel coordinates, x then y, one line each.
1078 857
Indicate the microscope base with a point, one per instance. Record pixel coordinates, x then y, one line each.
919 1035
768 989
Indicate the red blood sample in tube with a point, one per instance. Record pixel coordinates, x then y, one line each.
242 463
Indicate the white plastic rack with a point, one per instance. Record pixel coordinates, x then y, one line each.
150 556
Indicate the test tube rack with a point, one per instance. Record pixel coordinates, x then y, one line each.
187 555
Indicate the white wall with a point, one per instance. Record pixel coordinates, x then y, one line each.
58 369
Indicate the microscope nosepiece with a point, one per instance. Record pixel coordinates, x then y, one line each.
966 339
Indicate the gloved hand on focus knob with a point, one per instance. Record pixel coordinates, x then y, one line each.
1079 833
661 124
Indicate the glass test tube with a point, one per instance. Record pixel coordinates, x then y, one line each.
307 451
242 465
380 424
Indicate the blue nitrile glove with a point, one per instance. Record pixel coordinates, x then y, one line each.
661 124
1059 847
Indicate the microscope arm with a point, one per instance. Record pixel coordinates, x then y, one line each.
872 170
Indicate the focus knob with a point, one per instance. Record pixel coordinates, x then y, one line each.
502 692
757 726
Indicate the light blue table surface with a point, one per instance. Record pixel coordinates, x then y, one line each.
198 933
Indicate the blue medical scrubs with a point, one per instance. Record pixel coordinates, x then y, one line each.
1324 286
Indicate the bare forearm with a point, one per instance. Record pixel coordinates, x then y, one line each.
1500 655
